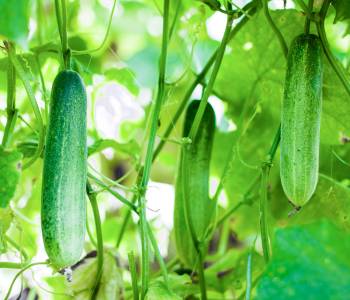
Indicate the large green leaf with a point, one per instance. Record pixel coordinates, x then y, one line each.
309 262
253 73
330 201
342 9
14 20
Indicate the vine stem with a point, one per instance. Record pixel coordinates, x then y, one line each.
92 197
64 40
19 249
125 223
113 192
308 19
44 90
265 241
58 18
128 213
249 275
202 283
100 47
266 167
337 67
11 265
149 232
91 238
25 80
251 9
209 88
132 267
231 210
40 27
158 255
275 29
176 16
149 153
19 273
11 110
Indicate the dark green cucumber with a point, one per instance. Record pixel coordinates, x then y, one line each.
301 119
63 211
192 202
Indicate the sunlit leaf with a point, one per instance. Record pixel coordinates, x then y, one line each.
9 174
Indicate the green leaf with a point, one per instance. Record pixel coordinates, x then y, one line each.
327 202
28 147
342 14
9 175
181 285
342 9
84 275
158 290
14 21
309 262
6 217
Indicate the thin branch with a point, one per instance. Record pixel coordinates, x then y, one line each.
97 218
100 47
149 153
275 29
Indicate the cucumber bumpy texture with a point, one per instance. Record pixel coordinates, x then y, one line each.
63 211
301 119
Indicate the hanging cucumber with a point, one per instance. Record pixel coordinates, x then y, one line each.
192 202
63 211
301 119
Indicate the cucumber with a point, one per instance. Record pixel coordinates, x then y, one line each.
301 119
192 200
63 210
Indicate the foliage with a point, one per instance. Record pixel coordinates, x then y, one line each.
139 81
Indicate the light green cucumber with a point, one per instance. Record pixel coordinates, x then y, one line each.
301 119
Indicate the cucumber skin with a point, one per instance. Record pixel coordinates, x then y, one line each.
301 119
63 210
192 185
